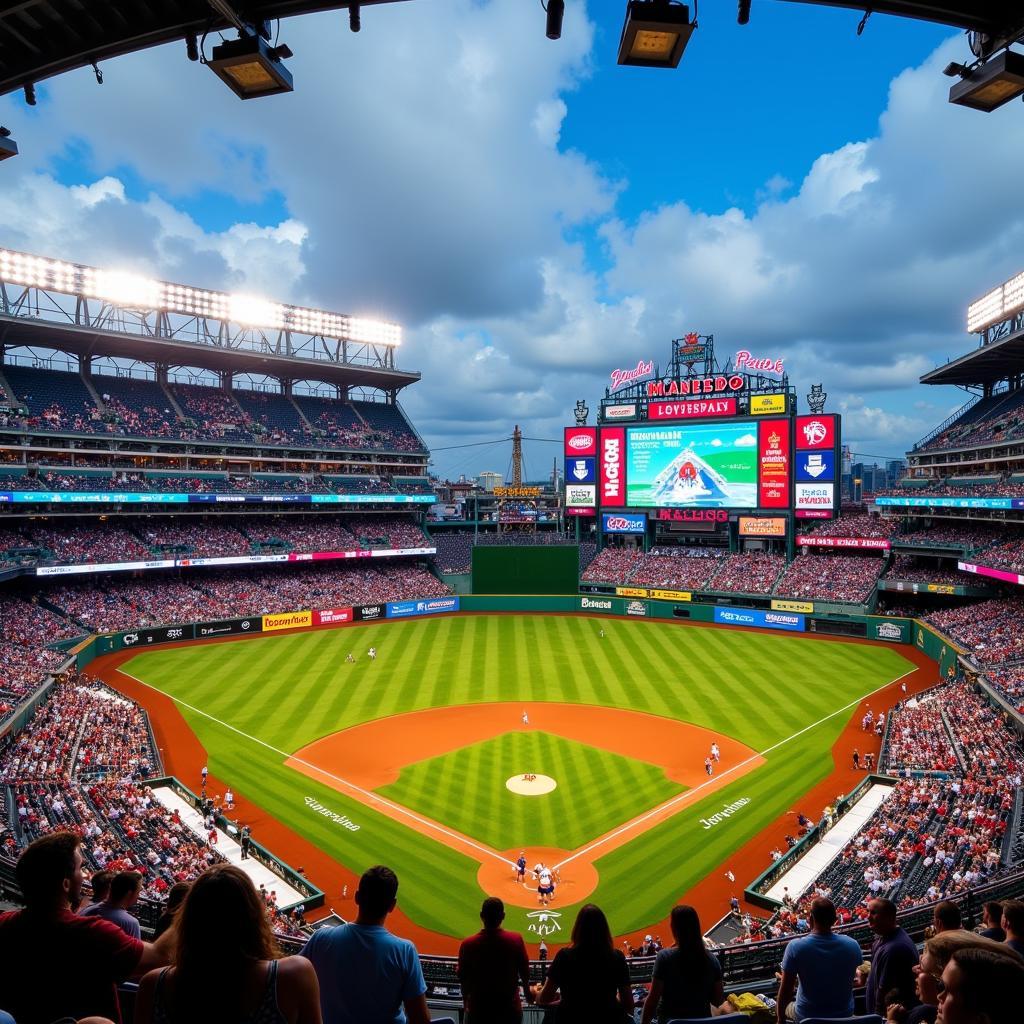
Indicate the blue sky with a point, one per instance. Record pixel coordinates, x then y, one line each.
536 215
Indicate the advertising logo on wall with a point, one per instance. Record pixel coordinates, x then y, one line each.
580 441
818 432
581 471
814 496
687 410
583 495
619 522
773 464
816 466
620 412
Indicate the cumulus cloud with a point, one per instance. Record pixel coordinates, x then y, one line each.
429 181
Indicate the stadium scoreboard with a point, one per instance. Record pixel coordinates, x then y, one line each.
700 442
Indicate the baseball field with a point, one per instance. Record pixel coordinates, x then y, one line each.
421 759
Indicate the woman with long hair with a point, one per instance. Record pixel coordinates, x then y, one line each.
687 978
225 965
590 974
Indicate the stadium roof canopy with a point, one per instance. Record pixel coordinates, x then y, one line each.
43 38
984 365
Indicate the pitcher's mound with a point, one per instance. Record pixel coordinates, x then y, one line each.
530 784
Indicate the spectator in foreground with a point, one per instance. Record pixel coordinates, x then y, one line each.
893 959
687 979
225 962
100 883
991 916
124 893
981 987
492 965
367 975
927 975
946 917
1013 925
591 975
56 963
825 964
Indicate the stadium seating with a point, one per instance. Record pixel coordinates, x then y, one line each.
988 421
830 577
56 400
992 630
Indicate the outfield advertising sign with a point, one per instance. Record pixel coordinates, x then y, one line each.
287 620
898 632
228 627
164 635
430 606
638 608
780 605
599 604
368 612
332 616
760 619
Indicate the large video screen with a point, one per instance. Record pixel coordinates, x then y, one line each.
698 465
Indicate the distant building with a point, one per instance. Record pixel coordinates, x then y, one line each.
488 481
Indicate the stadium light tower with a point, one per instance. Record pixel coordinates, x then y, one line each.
989 83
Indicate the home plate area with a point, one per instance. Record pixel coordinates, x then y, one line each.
529 784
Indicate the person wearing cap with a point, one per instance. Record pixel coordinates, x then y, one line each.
648 948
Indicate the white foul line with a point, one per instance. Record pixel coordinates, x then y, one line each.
683 797
398 809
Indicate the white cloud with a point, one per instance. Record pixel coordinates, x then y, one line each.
746 441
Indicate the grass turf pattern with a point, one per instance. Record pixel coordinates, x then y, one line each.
596 791
287 691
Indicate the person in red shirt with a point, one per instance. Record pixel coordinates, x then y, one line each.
56 963
492 965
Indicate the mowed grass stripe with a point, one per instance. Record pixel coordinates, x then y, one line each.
290 690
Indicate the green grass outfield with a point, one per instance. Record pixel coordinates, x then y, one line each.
253 702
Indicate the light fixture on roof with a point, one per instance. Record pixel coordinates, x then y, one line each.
354 20
556 11
251 67
8 147
989 84
655 33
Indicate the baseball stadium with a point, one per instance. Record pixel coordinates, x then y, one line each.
708 660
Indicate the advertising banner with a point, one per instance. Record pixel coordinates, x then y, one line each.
287 620
638 608
613 467
631 591
672 595
623 522
899 632
995 574
228 627
773 463
164 635
692 465
599 604
815 496
581 496
761 405
755 617
580 441
864 543
620 412
752 527
581 471
817 432
581 511
368 612
816 466
230 560
74 570
332 616
685 410
690 515
812 513
428 606
779 605
939 502
167 498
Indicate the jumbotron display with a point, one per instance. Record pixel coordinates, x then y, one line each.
738 447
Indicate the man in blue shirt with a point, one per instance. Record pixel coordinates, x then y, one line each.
367 975
893 959
825 965
125 887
